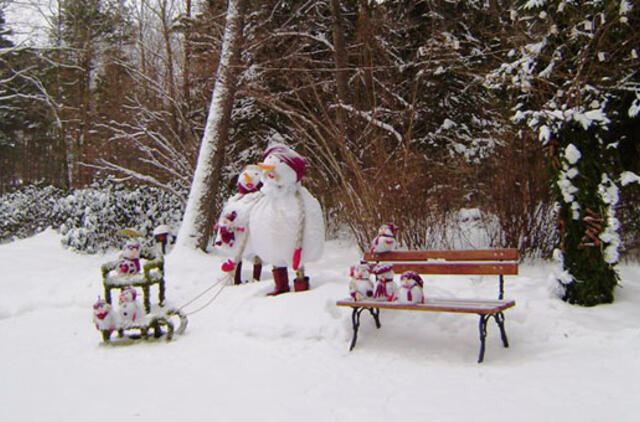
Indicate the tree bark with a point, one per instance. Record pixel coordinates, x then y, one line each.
340 60
198 217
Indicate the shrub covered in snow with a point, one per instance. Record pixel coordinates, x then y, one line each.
93 216
88 218
28 211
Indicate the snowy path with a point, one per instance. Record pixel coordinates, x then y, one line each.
250 357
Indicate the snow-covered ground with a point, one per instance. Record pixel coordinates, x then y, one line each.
250 357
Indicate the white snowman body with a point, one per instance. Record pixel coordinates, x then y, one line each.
285 217
360 286
385 240
130 310
104 316
410 290
129 263
239 206
386 289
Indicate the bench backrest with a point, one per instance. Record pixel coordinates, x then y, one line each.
473 262
477 261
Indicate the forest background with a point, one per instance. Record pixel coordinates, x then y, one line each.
408 111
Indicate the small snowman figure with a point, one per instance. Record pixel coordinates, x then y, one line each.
386 288
385 241
360 286
232 225
129 263
226 230
104 317
129 308
410 290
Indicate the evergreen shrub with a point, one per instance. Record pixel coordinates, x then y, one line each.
89 218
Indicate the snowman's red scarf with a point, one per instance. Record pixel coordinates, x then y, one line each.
382 239
102 315
245 191
136 262
409 294
381 288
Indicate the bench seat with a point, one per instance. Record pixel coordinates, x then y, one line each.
463 306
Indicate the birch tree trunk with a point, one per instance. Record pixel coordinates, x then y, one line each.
198 217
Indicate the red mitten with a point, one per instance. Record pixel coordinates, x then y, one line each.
228 266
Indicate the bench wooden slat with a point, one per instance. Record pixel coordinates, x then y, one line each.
437 305
459 268
510 254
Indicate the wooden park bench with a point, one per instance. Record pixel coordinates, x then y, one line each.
498 262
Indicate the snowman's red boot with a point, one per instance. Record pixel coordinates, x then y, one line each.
237 277
257 269
301 283
281 280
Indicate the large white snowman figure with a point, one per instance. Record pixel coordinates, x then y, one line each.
286 226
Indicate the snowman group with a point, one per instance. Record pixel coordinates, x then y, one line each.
361 287
385 290
272 219
129 313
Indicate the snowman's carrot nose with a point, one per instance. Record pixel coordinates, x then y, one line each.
266 167
247 178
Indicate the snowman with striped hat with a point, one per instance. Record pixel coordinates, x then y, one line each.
286 224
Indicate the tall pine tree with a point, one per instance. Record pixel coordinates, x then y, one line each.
574 80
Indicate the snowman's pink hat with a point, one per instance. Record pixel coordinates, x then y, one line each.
289 157
412 275
382 268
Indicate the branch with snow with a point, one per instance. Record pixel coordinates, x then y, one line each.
369 117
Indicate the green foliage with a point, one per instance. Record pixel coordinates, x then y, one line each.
91 217
28 211
88 219
586 209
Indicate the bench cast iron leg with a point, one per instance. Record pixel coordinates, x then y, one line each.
355 321
499 317
483 335
375 313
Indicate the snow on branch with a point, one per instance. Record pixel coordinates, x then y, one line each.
372 120
319 38
107 165
629 177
